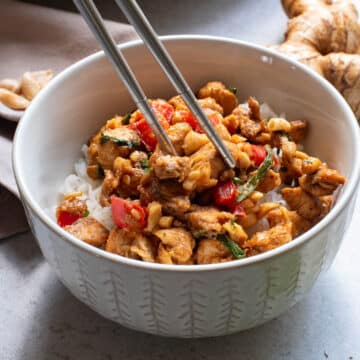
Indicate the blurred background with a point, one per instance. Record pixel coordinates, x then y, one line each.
235 18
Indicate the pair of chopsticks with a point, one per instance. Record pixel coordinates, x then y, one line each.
141 24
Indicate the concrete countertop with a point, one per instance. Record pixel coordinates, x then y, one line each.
40 319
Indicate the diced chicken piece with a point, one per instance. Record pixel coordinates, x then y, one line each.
252 124
324 182
227 174
148 188
89 230
288 149
326 203
241 111
109 185
278 216
271 181
177 206
177 134
104 152
217 90
249 127
123 181
163 256
298 130
178 103
168 189
129 183
72 204
310 165
210 103
123 133
131 244
232 123
205 167
119 242
263 209
281 215
176 246
267 240
302 202
211 251
276 140
329 178
170 167
129 177
300 224
143 248
173 198
208 218
254 108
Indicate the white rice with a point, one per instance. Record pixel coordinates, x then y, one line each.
274 196
267 112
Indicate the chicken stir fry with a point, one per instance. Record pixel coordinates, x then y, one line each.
191 208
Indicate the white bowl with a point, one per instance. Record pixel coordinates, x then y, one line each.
193 300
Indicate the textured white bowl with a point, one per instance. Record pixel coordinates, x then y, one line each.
183 301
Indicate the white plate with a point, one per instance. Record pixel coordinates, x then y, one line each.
10 114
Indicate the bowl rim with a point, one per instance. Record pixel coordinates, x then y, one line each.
347 193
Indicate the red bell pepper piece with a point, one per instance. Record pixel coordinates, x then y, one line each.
127 214
146 135
238 210
164 112
258 154
225 194
213 117
189 118
65 218
164 109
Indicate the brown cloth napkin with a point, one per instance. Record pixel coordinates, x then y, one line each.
37 38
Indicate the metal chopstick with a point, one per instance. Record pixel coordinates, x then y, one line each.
142 26
94 20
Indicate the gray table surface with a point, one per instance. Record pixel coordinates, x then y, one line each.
40 319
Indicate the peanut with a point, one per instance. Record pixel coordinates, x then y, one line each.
278 124
12 100
11 85
33 82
